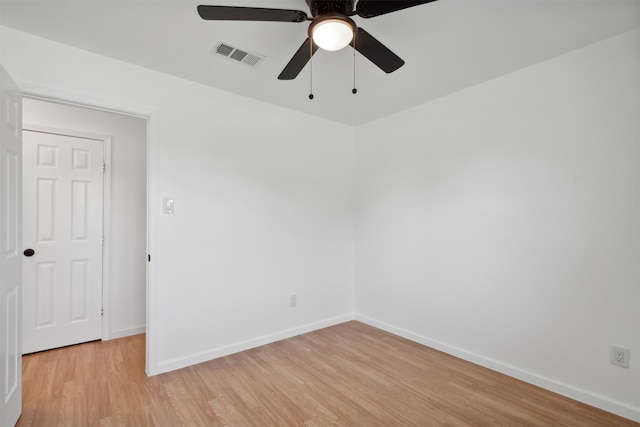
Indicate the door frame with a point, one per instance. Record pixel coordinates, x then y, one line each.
106 211
150 115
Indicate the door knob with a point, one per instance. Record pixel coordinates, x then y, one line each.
29 252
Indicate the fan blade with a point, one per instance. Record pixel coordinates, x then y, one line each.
299 60
376 52
232 13
371 8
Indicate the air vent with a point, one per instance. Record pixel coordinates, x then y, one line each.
242 56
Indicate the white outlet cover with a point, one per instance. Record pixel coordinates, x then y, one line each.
620 356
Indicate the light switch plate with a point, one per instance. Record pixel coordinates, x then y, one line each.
167 205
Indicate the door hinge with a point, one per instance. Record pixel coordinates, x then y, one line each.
104 167
103 240
149 257
101 311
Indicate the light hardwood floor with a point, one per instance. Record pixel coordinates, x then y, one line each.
346 375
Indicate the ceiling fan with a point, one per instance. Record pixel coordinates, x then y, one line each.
331 28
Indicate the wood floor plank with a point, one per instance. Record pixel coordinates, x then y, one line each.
346 375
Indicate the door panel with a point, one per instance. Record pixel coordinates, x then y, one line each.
46 203
10 248
63 216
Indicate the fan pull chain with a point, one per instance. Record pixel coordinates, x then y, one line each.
354 90
310 69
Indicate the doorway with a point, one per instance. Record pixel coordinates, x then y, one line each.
122 281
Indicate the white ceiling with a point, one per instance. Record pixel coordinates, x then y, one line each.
447 45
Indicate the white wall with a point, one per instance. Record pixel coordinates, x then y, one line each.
128 241
502 223
263 203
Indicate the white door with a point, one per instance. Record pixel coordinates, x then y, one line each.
62 227
10 256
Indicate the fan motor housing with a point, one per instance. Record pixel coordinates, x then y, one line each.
323 7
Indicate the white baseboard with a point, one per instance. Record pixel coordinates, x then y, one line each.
214 353
599 401
121 333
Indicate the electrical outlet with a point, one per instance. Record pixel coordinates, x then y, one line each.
620 356
293 301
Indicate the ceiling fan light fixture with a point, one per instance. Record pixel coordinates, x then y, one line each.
332 33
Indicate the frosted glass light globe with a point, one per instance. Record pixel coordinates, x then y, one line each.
332 34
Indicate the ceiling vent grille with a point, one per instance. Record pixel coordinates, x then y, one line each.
242 56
